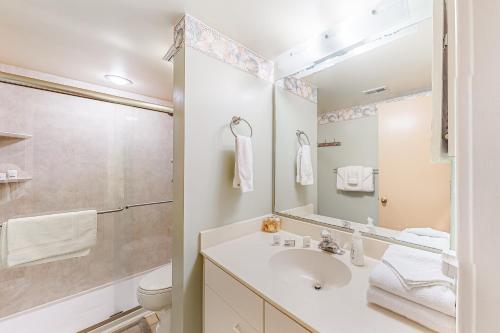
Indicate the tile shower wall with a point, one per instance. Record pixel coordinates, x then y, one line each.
85 154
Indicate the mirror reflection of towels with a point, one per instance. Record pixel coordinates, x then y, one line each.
305 173
355 179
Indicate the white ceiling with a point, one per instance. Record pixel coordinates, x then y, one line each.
85 39
403 65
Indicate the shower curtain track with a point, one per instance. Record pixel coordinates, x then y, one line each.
25 81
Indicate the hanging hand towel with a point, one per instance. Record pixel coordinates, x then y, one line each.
305 174
243 164
41 239
367 182
355 179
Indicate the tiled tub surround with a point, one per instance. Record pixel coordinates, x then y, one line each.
85 154
318 312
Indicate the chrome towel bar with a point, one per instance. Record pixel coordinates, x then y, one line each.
119 209
375 171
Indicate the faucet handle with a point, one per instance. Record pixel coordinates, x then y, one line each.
326 235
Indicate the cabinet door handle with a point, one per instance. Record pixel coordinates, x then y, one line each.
236 328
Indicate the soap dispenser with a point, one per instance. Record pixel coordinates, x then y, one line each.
370 227
357 252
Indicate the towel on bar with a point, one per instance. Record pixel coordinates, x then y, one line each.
438 298
42 239
355 178
416 268
305 174
243 164
429 318
431 238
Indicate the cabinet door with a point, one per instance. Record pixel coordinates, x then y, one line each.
276 321
219 317
242 300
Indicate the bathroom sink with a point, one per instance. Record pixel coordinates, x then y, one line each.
303 268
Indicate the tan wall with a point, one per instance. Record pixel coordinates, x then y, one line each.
85 154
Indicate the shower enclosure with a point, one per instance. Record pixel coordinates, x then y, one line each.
75 153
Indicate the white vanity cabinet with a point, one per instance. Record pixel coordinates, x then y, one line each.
230 307
277 322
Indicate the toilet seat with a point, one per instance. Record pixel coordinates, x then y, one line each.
154 292
157 282
155 289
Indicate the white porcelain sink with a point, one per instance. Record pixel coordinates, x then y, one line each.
302 268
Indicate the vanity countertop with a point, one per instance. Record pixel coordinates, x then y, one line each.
339 309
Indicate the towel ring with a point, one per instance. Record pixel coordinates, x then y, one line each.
236 121
299 134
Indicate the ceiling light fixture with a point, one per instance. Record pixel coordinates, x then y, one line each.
118 80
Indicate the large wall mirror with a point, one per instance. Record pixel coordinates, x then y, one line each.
361 134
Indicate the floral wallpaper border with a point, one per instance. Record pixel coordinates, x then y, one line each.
196 34
299 87
355 112
362 111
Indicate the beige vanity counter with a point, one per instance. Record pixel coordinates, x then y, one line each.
340 307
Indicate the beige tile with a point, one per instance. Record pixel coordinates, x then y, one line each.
85 154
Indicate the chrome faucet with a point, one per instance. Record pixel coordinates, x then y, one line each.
327 243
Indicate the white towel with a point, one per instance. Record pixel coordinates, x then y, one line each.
41 239
368 185
438 298
305 174
243 164
428 232
355 178
429 318
416 268
435 242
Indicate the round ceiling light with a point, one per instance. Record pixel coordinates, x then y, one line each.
118 80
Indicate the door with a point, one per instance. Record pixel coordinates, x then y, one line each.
413 190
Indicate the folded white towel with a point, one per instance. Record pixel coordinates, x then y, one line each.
416 268
41 239
367 182
438 298
434 320
442 242
243 164
305 174
355 178
428 232
430 241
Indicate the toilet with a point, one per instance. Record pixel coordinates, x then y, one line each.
155 294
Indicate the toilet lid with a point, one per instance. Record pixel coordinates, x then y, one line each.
158 279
